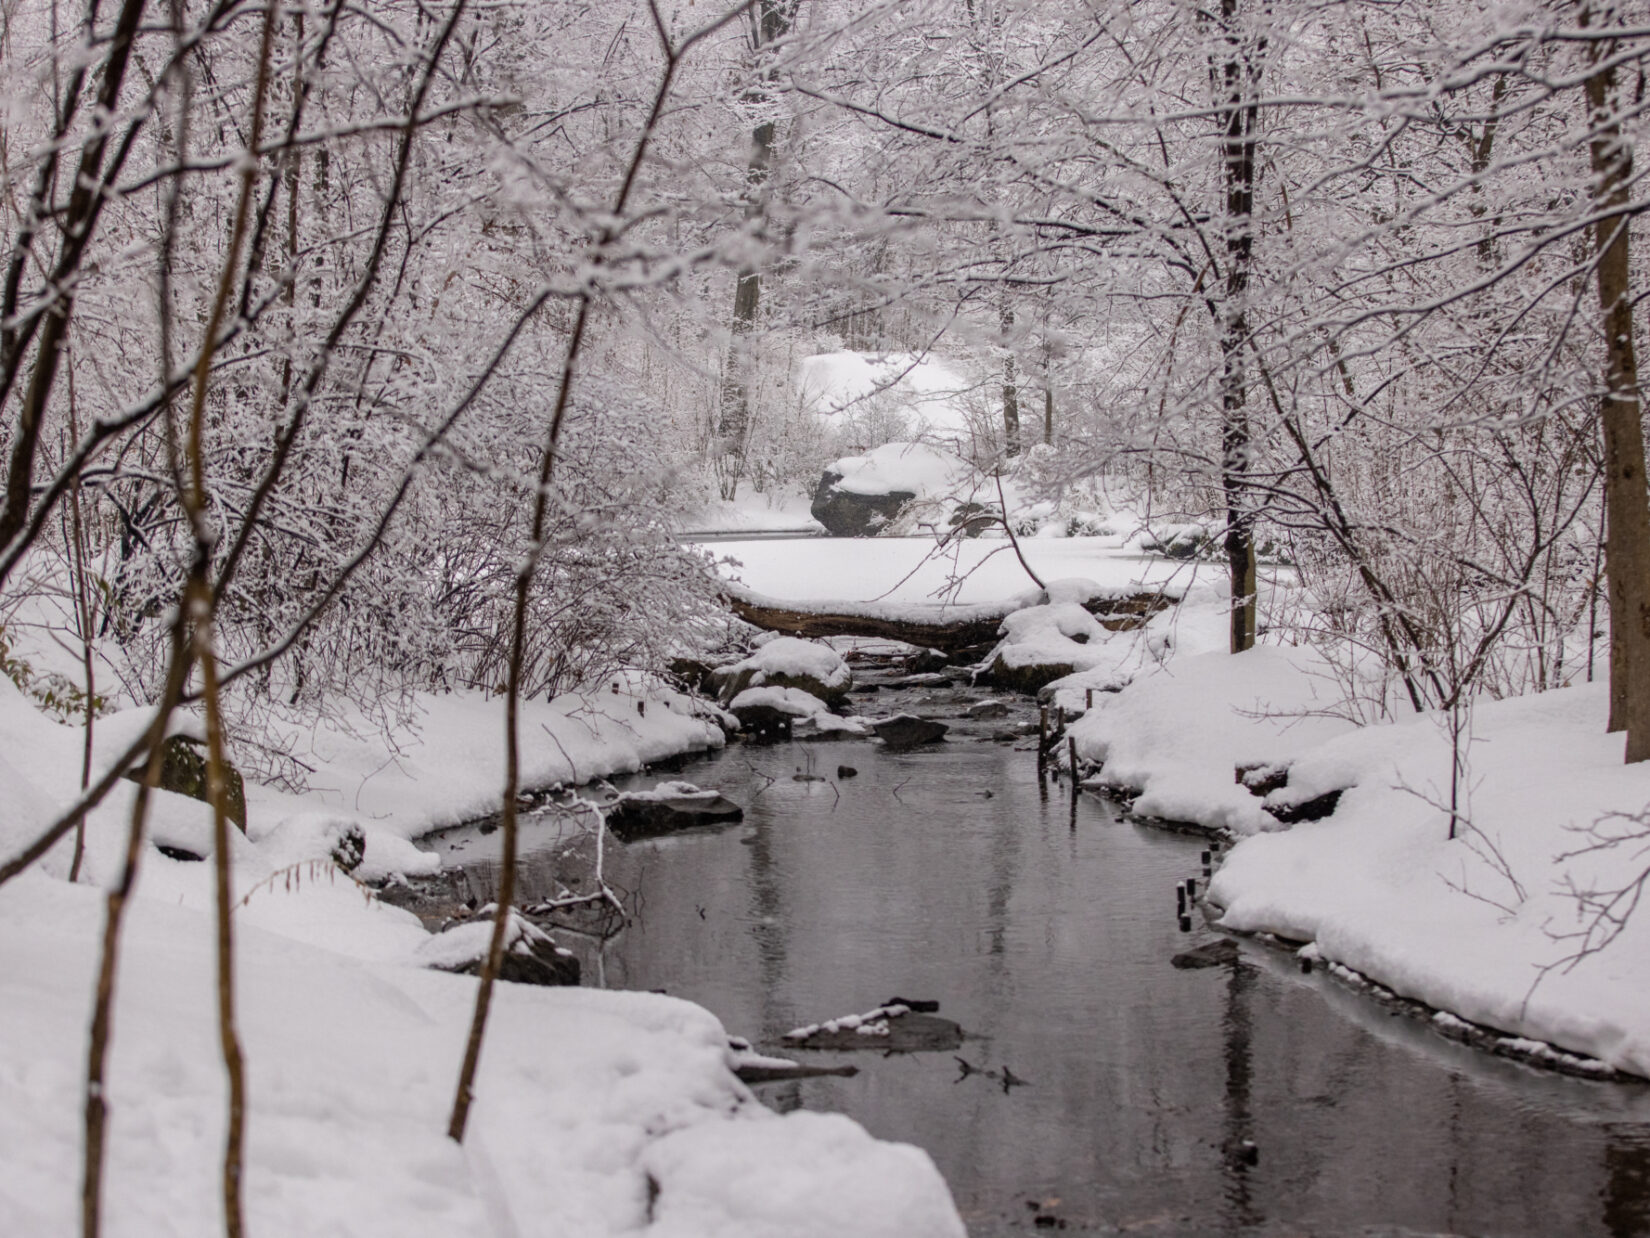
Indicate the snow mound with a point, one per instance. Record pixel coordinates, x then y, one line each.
1176 735
1478 925
351 1067
792 702
812 667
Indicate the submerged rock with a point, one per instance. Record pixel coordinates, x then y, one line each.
908 731
669 807
1214 954
892 1028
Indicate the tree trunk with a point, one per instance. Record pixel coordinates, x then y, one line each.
1011 391
771 21
1235 80
1627 510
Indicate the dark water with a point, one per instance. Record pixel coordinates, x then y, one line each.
1048 935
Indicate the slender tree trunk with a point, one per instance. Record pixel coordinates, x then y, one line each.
1011 389
1235 79
83 621
770 23
1627 510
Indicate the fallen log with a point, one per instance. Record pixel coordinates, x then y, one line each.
932 625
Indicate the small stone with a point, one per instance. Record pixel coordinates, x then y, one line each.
1214 954
908 731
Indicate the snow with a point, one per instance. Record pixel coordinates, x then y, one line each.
793 657
912 468
1177 734
871 1023
583 1097
792 701
464 944
674 790
976 571
785 511
816 1175
1062 633
448 764
353 1043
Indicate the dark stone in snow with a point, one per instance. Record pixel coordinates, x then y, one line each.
539 962
764 724
909 731
1263 778
1314 809
643 815
846 771
925 660
1028 679
691 673
973 518
178 853
349 849
854 515
183 770
1215 954
542 967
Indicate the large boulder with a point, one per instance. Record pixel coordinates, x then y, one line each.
860 496
845 513
787 662
183 770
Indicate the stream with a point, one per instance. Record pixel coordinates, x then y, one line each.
1247 1098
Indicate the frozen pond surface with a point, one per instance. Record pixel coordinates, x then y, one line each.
943 873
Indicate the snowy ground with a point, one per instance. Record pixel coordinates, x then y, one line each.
784 511
597 1113
911 569
1485 926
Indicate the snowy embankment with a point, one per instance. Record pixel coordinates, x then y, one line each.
596 1113
899 570
1483 926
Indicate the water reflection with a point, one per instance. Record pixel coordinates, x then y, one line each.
1048 936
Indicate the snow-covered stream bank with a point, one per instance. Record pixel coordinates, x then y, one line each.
597 1113
943 873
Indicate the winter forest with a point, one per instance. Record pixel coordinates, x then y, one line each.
553 555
